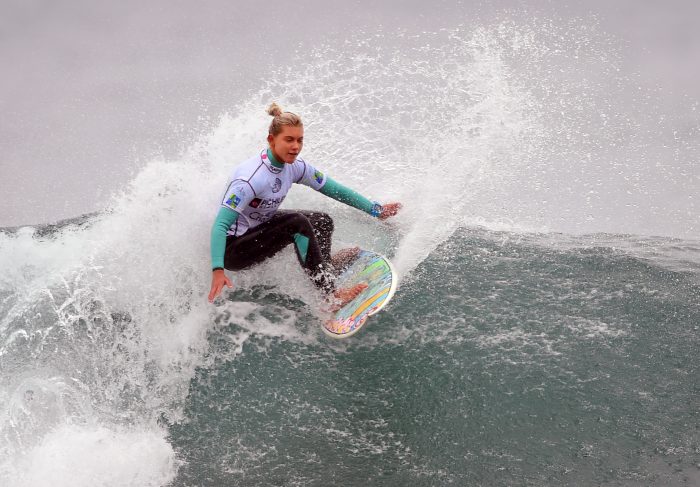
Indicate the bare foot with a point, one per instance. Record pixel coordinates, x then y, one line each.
341 259
343 296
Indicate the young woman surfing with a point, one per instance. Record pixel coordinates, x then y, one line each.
249 227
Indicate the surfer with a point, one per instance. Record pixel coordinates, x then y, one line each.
249 227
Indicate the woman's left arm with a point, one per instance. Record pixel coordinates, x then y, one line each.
350 197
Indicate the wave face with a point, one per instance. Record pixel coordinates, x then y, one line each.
505 359
516 351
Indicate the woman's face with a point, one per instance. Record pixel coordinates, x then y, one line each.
287 145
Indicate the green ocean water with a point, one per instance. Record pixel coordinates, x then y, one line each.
504 359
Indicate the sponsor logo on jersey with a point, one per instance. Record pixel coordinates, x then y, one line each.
259 217
277 186
267 204
318 176
233 201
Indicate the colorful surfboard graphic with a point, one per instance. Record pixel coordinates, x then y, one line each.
375 271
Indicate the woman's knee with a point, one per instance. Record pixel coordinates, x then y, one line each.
299 223
322 222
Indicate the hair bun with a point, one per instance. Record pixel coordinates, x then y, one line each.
274 110
281 119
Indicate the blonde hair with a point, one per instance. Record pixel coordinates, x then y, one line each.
280 119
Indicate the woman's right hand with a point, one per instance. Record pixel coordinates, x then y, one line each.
218 281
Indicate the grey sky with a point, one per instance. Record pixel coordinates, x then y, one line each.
92 90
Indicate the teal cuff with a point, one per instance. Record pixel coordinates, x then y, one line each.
219 229
273 159
346 195
302 244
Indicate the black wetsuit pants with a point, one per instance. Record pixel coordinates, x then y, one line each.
310 231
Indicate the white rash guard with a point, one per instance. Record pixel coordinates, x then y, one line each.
257 188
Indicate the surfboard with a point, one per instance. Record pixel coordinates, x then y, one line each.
377 272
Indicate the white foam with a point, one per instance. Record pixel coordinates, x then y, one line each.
77 456
121 304
593 329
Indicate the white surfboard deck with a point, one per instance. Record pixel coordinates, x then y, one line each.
377 272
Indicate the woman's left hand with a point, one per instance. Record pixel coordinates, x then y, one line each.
389 209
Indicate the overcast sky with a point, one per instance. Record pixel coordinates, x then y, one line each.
91 90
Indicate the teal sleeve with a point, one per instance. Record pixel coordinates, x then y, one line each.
223 222
346 195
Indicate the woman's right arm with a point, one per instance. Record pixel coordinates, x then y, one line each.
219 229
